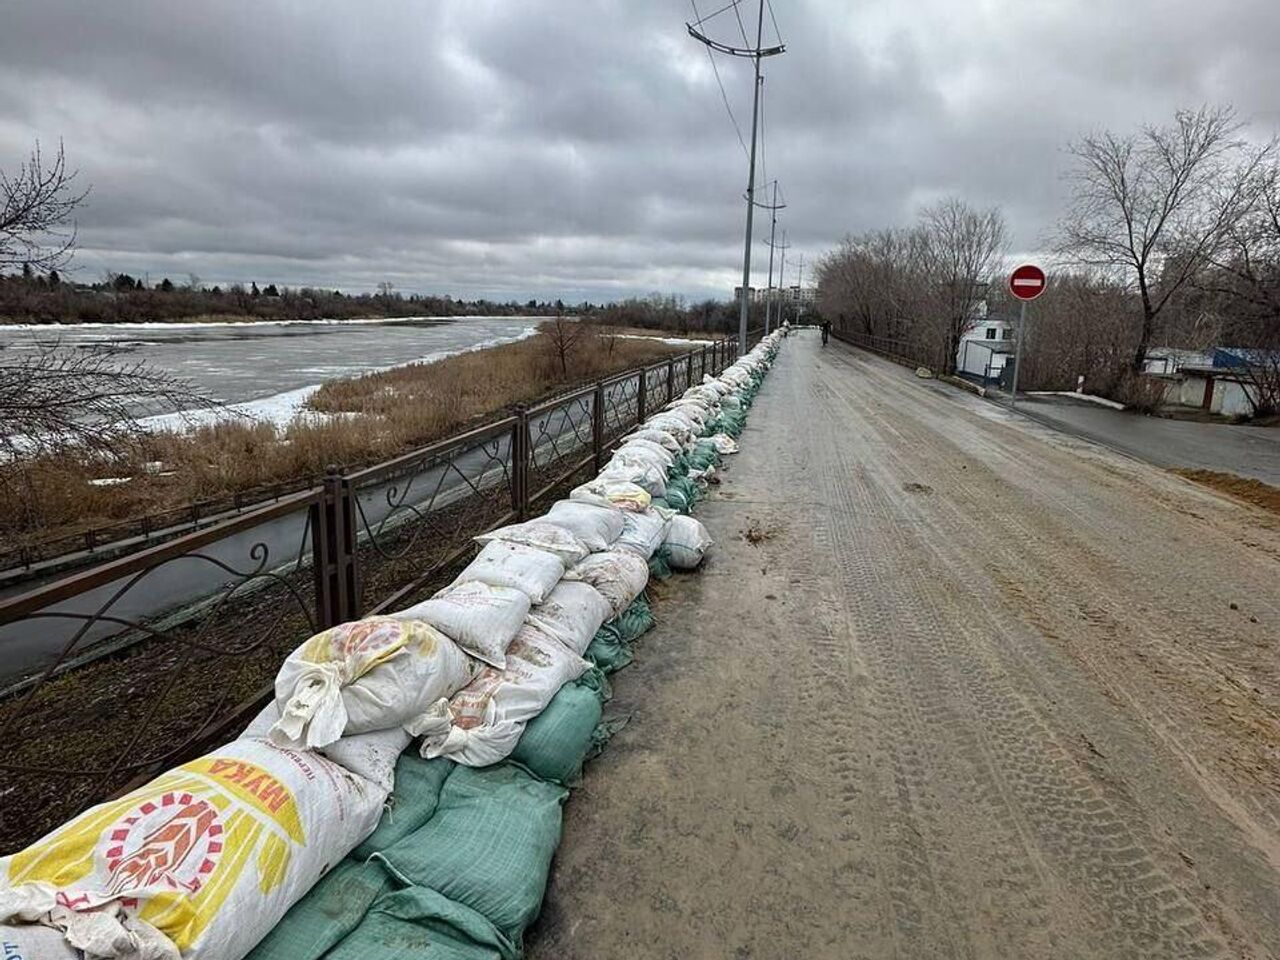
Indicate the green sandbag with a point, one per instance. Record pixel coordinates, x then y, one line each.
489 845
420 924
659 564
682 494
329 912
413 801
635 621
559 740
608 650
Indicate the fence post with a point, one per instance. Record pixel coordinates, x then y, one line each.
520 463
333 542
704 361
641 397
597 426
689 382
671 379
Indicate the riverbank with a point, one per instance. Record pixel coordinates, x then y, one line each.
349 422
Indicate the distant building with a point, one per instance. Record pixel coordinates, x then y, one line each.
756 295
801 295
985 347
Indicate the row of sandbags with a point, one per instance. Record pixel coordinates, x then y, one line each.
205 860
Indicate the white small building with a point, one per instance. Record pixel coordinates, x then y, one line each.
985 347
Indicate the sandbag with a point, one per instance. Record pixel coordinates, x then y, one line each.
479 617
571 614
201 862
620 576
627 468
608 651
369 755
532 571
659 437
488 847
724 444
655 451
542 535
643 533
635 621
327 914
607 492
559 740
417 923
595 526
687 542
481 724
418 783
371 674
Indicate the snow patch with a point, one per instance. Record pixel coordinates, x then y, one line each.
1100 401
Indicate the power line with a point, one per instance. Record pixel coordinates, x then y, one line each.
724 96
701 20
776 32
736 13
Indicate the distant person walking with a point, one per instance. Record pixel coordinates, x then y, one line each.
826 331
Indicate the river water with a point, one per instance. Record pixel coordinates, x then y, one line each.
268 369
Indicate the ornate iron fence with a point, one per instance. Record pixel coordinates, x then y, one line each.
120 671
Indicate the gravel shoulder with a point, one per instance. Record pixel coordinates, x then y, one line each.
971 688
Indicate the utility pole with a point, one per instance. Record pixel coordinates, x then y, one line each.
769 302
800 287
773 226
757 54
782 273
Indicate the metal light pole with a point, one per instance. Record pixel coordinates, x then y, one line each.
782 276
757 54
773 227
1017 353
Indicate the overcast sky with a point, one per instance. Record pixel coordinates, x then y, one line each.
517 148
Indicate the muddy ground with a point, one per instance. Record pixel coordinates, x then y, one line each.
953 685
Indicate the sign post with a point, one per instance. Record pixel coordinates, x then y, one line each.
1025 283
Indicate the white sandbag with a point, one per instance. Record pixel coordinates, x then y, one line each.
369 755
541 535
30 940
633 468
371 674
619 575
530 570
654 452
477 616
483 722
687 542
695 410
200 863
572 614
675 423
724 444
660 437
595 526
610 492
643 533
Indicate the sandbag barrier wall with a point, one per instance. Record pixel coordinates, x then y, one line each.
457 864
193 629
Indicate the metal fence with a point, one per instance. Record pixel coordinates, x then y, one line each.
120 671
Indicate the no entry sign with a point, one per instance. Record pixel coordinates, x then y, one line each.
1027 282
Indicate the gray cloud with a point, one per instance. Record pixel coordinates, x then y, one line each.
482 147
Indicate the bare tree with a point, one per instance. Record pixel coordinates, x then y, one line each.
564 335
962 248
1153 208
37 202
56 400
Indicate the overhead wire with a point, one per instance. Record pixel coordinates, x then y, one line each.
724 96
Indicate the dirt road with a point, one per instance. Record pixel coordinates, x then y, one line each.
976 689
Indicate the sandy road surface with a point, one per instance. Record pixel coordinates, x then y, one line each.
979 692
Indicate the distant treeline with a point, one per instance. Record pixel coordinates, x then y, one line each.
121 298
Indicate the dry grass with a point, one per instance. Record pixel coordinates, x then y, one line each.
1256 492
353 423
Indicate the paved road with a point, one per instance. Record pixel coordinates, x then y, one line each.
1240 449
979 690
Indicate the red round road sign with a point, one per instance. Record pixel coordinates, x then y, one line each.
1027 282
